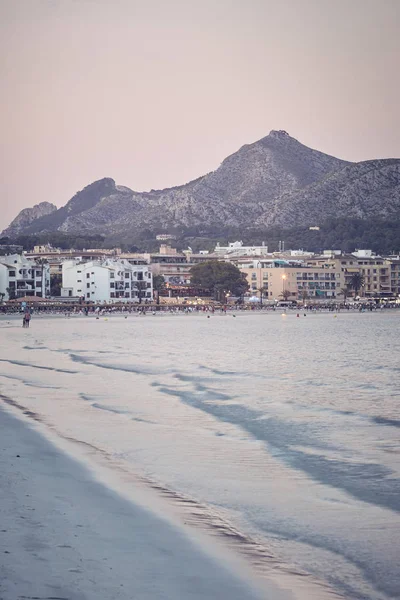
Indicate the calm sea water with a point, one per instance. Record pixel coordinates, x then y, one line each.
285 428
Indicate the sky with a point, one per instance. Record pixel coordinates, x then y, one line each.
154 93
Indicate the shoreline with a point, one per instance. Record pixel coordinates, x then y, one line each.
66 534
124 428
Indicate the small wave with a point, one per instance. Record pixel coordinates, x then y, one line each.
385 421
30 383
21 363
123 368
110 409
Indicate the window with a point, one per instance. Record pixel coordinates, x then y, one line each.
38 273
126 275
79 280
88 295
11 273
38 284
112 284
140 276
88 285
112 294
87 275
112 275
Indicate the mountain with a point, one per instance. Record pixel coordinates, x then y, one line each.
27 216
274 181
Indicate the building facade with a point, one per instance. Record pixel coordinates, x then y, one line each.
238 249
107 281
21 276
380 274
279 279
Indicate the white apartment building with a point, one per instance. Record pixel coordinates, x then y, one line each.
106 281
237 249
21 276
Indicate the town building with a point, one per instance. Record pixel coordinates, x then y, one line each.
21 276
280 279
380 274
107 280
174 266
237 249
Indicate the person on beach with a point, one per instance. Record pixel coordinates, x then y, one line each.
27 319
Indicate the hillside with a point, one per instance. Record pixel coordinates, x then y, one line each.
274 181
24 219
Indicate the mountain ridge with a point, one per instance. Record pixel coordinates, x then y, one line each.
27 216
273 181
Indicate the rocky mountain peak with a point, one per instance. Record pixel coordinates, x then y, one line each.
279 134
273 181
27 216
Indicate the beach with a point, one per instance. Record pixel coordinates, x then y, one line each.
247 457
65 535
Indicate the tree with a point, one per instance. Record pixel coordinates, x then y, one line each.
357 282
158 285
11 293
285 295
140 286
55 284
304 296
262 291
2 294
345 293
220 277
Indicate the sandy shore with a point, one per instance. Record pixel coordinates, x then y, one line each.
65 536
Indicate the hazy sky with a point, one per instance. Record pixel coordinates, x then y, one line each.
157 92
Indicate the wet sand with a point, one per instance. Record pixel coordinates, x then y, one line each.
66 536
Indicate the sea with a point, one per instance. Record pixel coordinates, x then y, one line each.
277 433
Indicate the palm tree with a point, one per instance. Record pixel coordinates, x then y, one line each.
262 291
357 282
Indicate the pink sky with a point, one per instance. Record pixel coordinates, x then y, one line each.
157 92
